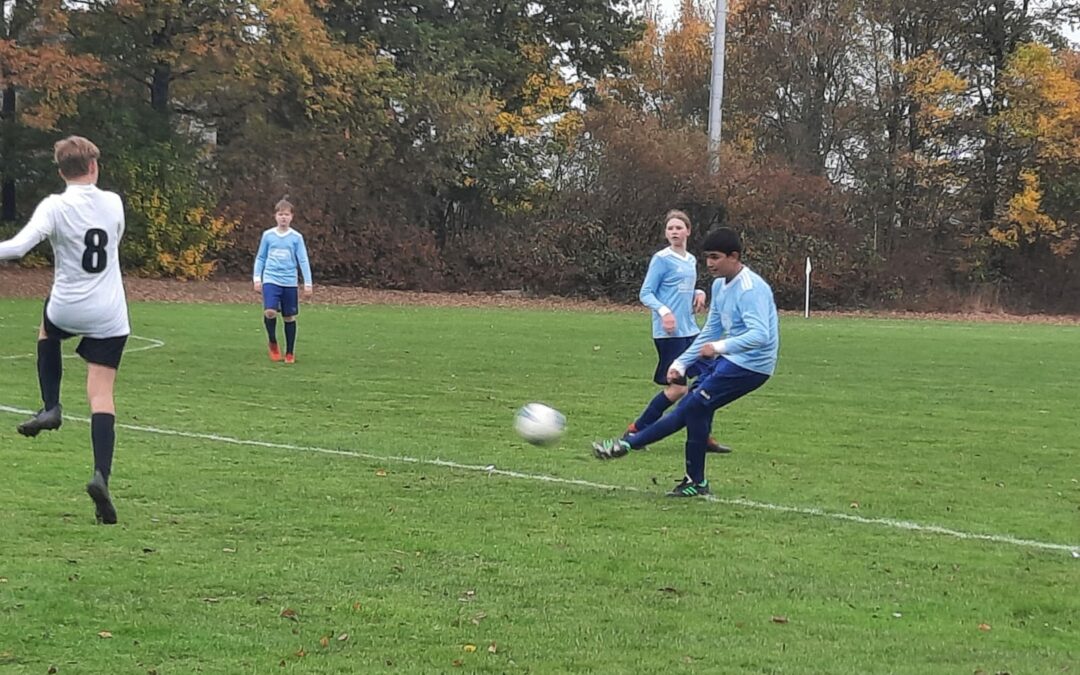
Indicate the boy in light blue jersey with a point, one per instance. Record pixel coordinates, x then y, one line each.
281 250
740 340
668 290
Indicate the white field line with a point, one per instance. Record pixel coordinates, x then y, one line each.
151 343
491 470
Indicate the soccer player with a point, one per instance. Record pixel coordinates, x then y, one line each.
281 250
741 338
668 290
84 226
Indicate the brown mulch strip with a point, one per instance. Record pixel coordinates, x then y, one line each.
16 282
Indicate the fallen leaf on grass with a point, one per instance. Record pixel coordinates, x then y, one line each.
3 580
211 601
289 614
984 627
493 648
343 637
779 619
469 649
381 473
479 617
356 606
457 663
104 635
228 550
52 670
854 505
301 653
324 641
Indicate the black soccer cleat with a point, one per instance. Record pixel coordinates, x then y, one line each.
98 490
44 420
688 488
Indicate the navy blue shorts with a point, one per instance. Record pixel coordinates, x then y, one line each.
283 299
725 382
667 350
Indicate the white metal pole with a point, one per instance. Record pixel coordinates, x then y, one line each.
806 312
716 91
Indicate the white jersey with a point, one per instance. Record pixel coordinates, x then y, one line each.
84 226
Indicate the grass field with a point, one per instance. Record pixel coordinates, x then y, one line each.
303 524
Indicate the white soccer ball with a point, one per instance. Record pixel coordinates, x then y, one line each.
539 424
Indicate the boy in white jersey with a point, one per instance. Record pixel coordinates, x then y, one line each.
668 291
84 226
741 339
281 250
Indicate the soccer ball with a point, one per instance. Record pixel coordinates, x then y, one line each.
539 424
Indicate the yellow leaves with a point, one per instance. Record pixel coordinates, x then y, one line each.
937 90
1027 223
1044 103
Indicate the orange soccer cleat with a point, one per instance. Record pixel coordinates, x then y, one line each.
275 353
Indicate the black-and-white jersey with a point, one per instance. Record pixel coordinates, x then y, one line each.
84 226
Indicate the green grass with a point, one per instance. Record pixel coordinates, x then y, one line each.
965 426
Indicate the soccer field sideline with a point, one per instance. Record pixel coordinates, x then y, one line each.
491 469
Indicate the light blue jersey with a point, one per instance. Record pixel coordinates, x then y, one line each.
669 288
278 257
742 315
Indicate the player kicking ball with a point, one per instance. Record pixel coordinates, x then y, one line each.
84 226
737 347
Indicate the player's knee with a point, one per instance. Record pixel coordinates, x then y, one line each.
270 314
290 319
674 392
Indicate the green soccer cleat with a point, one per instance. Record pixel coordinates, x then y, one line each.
688 488
611 448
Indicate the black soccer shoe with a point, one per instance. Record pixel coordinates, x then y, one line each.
99 492
688 488
44 420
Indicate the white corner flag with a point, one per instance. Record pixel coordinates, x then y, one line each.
808 268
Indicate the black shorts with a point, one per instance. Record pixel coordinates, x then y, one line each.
99 351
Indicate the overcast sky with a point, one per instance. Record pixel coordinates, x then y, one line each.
670 8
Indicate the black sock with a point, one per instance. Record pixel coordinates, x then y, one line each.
290 336
271 329
50 367
103 435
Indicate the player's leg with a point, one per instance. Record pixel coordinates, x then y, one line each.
726 383
271 304
50 368
667 350
290 308
661 429
103 360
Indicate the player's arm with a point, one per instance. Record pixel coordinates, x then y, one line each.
260 260
754 308
713 329
701 301
36 231
305 265
651 285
